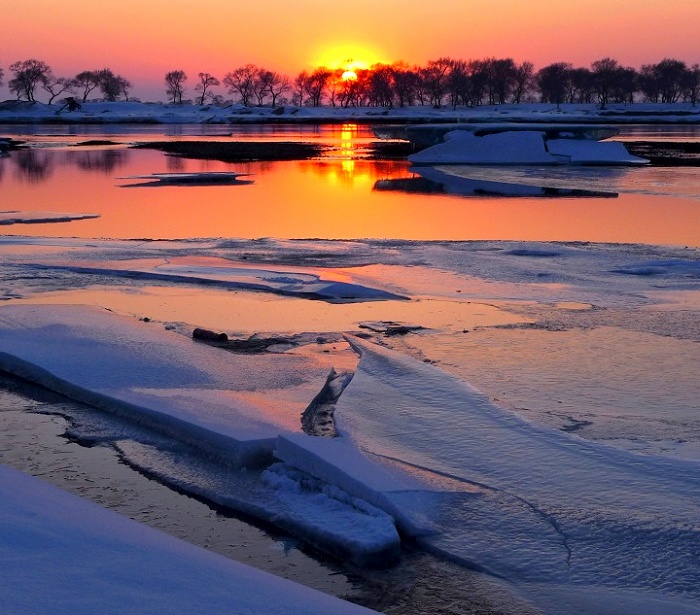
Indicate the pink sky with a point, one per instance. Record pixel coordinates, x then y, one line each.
143 39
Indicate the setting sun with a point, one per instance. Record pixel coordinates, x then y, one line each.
350 58
349 75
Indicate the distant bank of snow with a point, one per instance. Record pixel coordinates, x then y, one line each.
19 112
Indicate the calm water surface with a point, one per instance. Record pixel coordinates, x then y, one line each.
342 195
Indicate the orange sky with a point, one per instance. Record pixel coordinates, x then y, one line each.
143 39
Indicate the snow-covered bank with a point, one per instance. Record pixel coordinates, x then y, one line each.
63 555
14 112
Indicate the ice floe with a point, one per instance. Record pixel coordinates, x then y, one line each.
38 217
522 147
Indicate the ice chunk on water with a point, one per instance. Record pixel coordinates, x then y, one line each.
231 405
463 147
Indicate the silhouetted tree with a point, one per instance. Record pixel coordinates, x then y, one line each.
299 88
670 75
625 85
353 90
381 85
274 84
502 76
28 74
434 78
522 81
605 75
113 86
1 75
175 85
691 84
478 74
458 83
580 86
405 80
663 82
87 81
315 85
242 82
206 81
56 86
553 81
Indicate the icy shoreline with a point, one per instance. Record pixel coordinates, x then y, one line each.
16 112
420 450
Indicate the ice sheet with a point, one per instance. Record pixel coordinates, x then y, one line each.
231 405
63 555
553 510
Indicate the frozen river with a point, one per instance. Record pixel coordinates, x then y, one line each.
528 361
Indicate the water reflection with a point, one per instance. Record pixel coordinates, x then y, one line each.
434 180
33 166
347 148
331 198
103 161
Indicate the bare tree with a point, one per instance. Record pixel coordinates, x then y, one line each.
434 77
581 88
28 74
175 85
113 86
553 82
242 82
274 84
522 81
299 88
405 79
502 76
87 81
380 85
206 81
692 84
669 74
605 74
56 86
315 85
458 83
1 75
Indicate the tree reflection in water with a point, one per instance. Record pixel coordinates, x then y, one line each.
104 161
33 166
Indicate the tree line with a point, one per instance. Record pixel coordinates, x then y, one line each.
441 82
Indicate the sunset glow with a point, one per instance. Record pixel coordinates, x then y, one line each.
144 40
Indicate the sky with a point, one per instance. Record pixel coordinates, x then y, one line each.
143 39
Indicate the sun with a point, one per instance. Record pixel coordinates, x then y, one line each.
348 57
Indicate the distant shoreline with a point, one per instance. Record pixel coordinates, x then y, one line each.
100 113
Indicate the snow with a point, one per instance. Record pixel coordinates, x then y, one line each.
576 525
295 281
336 461
419 450
462 147
233 408
146 112
590 152
521 147
63 555
536 506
